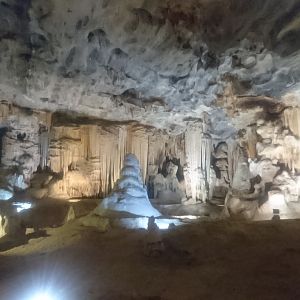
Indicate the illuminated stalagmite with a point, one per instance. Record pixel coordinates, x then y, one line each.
129 194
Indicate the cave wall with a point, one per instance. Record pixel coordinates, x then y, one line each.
20 151
95 153
82 157
264 177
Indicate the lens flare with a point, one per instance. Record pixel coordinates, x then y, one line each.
42 296
22 206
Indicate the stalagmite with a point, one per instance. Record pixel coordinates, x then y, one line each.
129 194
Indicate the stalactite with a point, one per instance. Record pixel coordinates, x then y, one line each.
99 150
233 158
137 144
251 142
109 157
102 148
44 148
291 118
198 148
45 120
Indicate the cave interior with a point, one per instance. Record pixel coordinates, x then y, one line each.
168 130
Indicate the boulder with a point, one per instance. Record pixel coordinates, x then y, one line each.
288 185
249 62
235 206
264 168
102 224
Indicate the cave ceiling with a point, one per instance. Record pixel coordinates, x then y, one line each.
162 63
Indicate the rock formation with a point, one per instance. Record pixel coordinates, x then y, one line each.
129 194
167 190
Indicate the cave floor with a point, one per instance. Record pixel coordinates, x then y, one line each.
210 260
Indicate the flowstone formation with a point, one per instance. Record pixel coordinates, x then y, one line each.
129 194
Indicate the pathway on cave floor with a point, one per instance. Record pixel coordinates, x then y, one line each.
210 260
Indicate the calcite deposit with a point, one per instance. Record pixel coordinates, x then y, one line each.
129 194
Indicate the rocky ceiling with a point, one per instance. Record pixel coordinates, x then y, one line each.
162 63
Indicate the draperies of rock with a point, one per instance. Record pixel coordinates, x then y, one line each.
87 154
98 151
137 142
21 143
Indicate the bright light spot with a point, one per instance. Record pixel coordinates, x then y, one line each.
42 296
162 224
142 222
74 200
165 223
5 195
22 205
276 200
190 217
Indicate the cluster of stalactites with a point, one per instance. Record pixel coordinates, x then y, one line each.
94 148
99 151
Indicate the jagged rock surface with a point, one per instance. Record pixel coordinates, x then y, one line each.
163 63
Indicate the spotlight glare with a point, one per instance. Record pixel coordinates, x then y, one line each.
277 200
22 206
42 296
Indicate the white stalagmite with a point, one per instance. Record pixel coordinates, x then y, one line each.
129 194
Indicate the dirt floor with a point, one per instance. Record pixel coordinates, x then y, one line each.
210 260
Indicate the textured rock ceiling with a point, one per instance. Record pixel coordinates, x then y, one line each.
162 62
